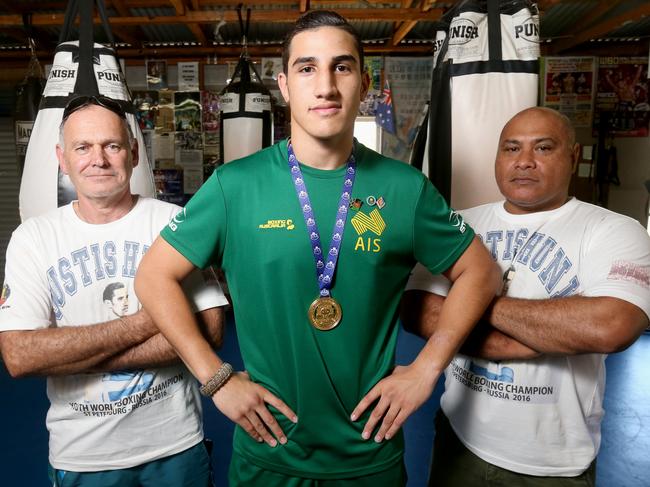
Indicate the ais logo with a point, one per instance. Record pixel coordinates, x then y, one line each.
462 31
373 223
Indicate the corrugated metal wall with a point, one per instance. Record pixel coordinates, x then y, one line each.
9 186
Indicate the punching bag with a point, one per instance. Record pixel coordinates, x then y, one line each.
486 65
246 115
79 68
28 96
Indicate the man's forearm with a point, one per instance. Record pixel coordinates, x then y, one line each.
490 344
475 280
420 313
71 349
173 315
459 312
154 352
158 352
570 325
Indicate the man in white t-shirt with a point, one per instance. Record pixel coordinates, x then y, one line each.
124 409
523 399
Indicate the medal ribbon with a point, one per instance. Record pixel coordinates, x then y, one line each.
324 269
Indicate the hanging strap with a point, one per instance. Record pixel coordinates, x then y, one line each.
101 8
494 30
70 14
86 83
242 33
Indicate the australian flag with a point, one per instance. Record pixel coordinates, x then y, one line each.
384 115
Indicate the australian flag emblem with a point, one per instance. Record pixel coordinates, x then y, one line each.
384 115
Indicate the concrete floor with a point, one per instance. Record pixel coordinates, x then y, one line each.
624 460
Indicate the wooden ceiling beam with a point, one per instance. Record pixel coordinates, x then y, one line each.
196 5
132 35
178 5
397 25
196 29
547 4
20 7
601 28
603 7
198 53
18 34
198 33
207 17
407 26
121 8
8 7
402 32
128 34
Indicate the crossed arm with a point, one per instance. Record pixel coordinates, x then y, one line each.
131 343
515 328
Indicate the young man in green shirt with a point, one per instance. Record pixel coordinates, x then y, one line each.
321 402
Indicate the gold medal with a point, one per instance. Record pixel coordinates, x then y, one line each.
325 313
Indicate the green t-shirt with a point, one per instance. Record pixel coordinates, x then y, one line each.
247 219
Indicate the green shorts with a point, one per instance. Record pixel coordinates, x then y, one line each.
246 474
454 465
189 468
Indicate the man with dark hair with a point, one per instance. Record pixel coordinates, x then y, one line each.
313 20
523 401
124 410
116 299
316 312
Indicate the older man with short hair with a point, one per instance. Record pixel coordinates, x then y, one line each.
523 400
124 411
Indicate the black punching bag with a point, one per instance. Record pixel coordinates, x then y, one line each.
246 115
28 96
485 70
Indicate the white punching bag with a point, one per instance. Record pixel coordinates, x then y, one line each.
246 114
79 68
486 65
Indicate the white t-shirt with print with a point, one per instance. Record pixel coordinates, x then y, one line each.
542 416
62 271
